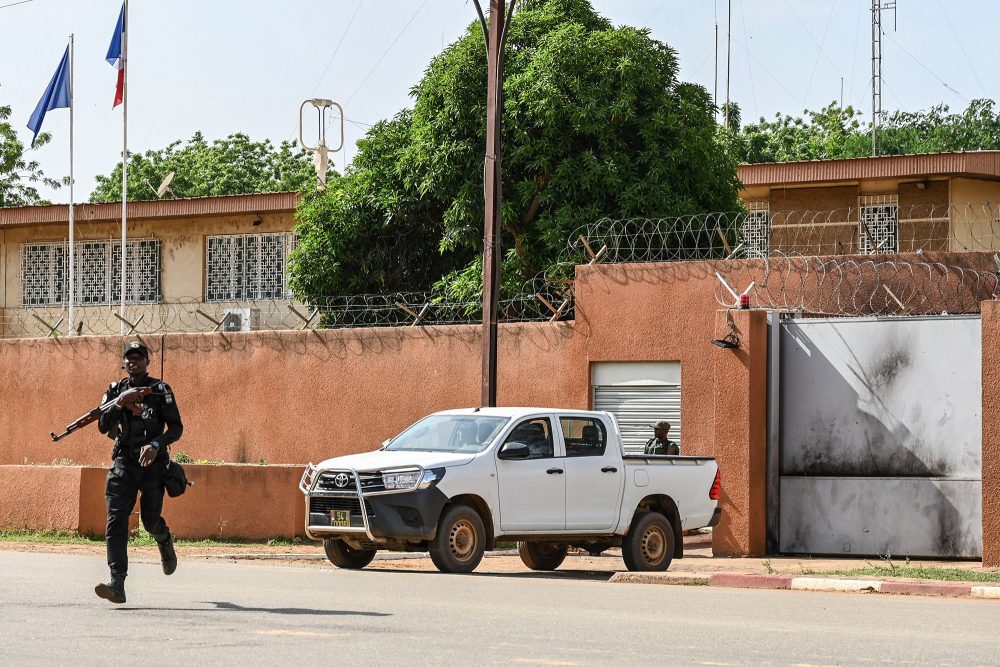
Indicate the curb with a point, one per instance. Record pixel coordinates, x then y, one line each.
778 582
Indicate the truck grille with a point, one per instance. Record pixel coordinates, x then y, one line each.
338 482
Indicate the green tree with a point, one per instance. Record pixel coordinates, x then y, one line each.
231 166
835 132
596 124
19 175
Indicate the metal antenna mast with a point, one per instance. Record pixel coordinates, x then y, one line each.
877 7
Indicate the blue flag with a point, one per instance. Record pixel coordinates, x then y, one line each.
56 96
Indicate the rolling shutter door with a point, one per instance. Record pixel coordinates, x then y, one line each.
637 406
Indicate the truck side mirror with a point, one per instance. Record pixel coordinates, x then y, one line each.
385 442
514 450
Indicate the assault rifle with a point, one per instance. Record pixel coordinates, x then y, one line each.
137 394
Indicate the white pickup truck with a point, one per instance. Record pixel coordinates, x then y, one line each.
458 481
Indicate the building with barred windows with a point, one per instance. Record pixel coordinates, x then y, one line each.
197 264
875 205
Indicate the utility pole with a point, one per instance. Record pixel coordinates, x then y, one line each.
877 7
715 89
729 48
496 34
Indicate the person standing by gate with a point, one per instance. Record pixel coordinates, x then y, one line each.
144 423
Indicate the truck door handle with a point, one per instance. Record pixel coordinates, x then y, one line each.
555 471
609 469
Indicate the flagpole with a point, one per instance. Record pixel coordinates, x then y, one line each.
124 163
72 253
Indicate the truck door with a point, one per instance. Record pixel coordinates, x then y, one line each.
532 490
594 474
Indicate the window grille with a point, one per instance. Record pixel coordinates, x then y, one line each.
45 273
878 224
757 229
246 267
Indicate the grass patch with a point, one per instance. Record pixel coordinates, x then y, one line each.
47 537
139 539
918 572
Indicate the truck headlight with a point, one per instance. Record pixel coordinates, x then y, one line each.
431 477
397 481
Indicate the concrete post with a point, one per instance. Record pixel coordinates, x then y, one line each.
991 433
741 433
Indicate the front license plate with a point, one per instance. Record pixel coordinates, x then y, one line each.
340 518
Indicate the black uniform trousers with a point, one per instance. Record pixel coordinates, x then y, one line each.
126 479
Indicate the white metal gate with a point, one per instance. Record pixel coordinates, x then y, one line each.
878 447
637 394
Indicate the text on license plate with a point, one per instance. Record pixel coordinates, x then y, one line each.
340 518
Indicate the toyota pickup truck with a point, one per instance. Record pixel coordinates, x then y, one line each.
457 481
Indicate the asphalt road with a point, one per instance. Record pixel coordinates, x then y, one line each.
253 613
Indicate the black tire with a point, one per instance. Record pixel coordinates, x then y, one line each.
545 556
649 545
460 541
344 556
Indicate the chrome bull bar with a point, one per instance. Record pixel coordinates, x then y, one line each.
308 483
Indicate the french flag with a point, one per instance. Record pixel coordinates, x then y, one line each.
116 57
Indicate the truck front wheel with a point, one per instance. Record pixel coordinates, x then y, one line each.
343 556
542 555
460 541
649 545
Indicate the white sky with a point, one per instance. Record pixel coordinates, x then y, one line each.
222 66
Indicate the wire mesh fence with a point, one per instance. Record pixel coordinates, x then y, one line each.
876 259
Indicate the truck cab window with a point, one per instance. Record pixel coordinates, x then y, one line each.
536 434
584 436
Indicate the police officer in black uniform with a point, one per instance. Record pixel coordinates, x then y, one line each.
143 423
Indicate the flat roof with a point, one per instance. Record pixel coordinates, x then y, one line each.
255 204
973 164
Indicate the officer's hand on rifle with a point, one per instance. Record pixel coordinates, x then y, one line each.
132 396
146 455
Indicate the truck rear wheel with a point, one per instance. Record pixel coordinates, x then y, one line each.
649 545
544 556
346 557
460 541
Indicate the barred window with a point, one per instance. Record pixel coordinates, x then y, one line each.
757 229
878 224
246 267
45 273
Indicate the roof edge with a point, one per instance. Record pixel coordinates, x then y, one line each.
269 202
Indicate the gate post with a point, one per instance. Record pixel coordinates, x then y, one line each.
741 433
990 311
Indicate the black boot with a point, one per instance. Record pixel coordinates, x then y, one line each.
168 557
112 592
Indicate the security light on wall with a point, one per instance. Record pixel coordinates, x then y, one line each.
728 342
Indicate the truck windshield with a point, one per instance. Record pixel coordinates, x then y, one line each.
449 433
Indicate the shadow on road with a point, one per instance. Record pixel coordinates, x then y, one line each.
577 575
229 606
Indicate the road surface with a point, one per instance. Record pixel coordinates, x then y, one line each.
260 612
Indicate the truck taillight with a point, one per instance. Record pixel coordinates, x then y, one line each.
713 493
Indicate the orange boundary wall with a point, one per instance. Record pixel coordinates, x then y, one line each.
227 501
292 397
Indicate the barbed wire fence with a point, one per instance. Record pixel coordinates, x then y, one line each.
846 262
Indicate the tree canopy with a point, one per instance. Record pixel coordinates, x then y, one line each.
596 123
841 132
231 166
18 174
